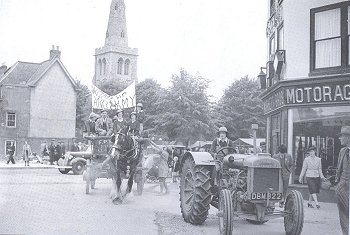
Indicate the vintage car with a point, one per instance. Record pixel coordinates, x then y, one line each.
239 186
74 161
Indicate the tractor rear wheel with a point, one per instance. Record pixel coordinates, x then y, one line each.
195 192
294 213
225 212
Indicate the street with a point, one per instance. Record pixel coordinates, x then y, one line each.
44 201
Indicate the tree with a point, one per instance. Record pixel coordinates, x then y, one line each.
83 105
239 107
185 116
150 94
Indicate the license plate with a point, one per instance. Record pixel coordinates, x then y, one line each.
263 196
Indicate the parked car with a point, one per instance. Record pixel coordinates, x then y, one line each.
74 161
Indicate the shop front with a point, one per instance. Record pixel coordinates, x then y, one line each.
307 112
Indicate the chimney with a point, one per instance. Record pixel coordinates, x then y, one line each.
3 69
55 52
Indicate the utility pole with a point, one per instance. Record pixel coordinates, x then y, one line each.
254 128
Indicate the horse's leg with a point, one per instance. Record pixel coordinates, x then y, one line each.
114 187
130 183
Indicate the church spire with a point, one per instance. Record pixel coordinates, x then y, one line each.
116 34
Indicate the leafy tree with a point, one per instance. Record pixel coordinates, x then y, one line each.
83 105
150 94
186 109
239 107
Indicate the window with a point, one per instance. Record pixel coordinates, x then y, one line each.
280 39
330 38
272 46
8 143
100 66
10 119
104 62
275 132
120 65
126 67
122 34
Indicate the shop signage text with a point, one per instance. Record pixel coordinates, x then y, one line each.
308 94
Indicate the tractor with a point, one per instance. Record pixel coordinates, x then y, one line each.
239 186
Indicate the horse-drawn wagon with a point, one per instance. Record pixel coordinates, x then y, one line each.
104 159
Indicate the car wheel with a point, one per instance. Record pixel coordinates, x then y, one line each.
78 167
63 170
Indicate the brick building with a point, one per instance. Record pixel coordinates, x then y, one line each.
37 102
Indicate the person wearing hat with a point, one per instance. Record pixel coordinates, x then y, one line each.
312 168
140 115
221 141
342 179
119 122
104 125
286 162
90 124
134 124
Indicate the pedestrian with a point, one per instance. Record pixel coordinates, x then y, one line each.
134 125
11 151
176 168
342 179
286 162
104 125
27 151
312 168
57 153
52 151
163 166
63 148
74 147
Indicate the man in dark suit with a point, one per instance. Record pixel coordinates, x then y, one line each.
52 151
90 124
343 178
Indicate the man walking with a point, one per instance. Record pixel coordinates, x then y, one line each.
11 151
342 177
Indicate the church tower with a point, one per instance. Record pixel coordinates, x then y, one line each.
116 61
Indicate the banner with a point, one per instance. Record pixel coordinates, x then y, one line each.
125 99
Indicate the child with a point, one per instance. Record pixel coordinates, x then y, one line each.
176 167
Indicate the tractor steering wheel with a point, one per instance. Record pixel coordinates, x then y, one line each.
223 148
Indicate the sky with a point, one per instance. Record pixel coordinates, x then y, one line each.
221 40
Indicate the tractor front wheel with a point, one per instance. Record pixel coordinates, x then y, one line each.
195 192
225 212
294 213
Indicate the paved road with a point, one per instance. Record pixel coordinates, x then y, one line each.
43 201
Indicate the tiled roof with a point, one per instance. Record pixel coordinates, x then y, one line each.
20 74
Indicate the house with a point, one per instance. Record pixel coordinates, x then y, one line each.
307 78
37 103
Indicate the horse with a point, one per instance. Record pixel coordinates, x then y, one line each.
124 158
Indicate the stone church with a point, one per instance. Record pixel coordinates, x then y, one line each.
116 62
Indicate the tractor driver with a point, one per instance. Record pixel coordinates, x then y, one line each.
220 142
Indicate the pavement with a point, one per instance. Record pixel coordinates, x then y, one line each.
44 201
20 165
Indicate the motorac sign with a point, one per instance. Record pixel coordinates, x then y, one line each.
316 93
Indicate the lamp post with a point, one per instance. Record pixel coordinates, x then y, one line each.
262 78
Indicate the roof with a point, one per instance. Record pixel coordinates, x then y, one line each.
28 74
248 142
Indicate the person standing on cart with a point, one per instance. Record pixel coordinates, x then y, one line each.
104 125
343 179
119 122
134 125
140 116
90 124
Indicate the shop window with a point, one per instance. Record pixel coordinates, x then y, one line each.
330 38
318 127
272 47
275 133
10 119
8 143
280 38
